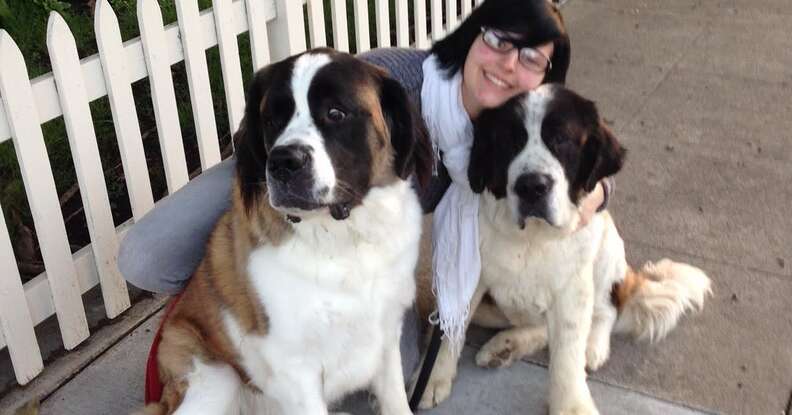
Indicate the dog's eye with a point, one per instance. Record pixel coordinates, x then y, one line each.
335 115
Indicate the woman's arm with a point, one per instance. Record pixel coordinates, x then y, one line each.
596 201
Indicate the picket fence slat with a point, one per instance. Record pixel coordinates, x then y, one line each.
340 33
316 23
257 12
419 12
467 7
287 32
402 24
152 35
451 15
15 321
198 82
122 106
87 163
437 20
362 41
21 112
383 23
229 62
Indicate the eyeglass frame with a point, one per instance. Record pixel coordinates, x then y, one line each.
494 32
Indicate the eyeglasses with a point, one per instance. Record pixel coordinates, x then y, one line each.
531 58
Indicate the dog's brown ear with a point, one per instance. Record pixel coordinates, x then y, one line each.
249 142
410 141
608 155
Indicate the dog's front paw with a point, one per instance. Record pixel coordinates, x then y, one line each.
437 390
583 406
580 411
496 355
597 353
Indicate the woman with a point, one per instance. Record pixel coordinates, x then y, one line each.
504 48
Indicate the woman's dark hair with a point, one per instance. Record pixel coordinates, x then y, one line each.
535 21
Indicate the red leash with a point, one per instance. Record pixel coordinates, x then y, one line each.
154 384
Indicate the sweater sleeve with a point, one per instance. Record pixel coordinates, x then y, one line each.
608 187
403 64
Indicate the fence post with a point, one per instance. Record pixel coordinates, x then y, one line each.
87 164
287 31
198 82
122 105
15 321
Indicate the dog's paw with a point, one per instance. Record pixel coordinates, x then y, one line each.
580 411
496 355
579 408
510 346
437 390
597 353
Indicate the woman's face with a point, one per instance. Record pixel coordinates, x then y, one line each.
491 77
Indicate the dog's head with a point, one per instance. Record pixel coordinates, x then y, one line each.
543 152
321 129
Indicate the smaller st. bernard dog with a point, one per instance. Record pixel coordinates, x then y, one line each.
542 282
301 295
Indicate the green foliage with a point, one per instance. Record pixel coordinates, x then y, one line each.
5 12
53 5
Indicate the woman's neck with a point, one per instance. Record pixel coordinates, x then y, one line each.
469 102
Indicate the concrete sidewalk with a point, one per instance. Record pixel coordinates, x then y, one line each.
699 92
114 385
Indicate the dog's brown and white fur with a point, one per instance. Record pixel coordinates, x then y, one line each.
542 282
300 297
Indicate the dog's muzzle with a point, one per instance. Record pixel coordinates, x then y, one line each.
532 191
290 177
292 185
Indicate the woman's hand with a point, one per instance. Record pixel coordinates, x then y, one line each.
590 204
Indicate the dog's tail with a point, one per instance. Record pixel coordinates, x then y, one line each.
652 299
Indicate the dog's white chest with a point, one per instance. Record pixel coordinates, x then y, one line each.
525 269
334 297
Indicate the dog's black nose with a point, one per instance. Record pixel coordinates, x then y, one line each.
284 161
533 187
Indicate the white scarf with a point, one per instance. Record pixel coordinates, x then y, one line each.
456 261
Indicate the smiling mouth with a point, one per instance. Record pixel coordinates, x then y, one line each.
496 81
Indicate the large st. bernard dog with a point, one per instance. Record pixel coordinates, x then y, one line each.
301 295
533 160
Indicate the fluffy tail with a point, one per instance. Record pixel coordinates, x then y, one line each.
651 300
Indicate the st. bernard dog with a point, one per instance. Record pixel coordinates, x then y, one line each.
543 282
301 295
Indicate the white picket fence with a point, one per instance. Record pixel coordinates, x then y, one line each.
276 29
